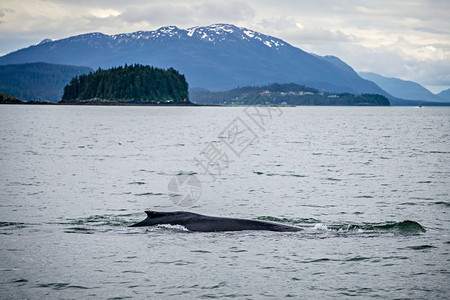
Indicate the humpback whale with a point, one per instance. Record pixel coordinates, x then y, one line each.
202 223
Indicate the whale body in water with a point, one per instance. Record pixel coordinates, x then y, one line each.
202 223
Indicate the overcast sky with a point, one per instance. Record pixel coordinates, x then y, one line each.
407 39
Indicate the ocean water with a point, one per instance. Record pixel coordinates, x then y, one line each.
370 186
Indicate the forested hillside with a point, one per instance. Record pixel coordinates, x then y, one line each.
8 99
129 84
37 81
284 94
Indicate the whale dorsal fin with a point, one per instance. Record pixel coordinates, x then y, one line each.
157 214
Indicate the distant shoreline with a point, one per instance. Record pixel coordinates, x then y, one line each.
20 102
206 105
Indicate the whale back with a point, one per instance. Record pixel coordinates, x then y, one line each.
214 224
202 223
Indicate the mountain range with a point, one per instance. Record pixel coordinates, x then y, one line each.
218 57
445 95
402 88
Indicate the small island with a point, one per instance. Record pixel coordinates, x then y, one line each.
128 85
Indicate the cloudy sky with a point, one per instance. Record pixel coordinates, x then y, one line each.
407 39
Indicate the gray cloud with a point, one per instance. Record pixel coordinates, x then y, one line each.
319 36
155 14
4 11
224 11
431 30
203 13
279 24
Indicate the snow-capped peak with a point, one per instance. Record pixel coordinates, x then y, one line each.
215 33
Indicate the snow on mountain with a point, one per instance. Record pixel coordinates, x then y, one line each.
215 33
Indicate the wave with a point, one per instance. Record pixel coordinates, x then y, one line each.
403 227
279 174
442 203
12 224
8 228
288 220
104 220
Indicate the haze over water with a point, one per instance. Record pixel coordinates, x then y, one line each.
72 178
